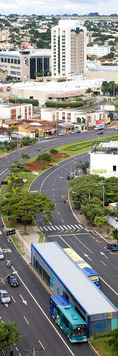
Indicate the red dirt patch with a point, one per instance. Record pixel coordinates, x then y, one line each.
39 165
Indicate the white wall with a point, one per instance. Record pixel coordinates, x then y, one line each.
103 164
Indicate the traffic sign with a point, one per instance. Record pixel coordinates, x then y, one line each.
10 232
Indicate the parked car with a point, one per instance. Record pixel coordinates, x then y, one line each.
13 280
112 247
5 297
1 254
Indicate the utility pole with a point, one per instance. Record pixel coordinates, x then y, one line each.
34 350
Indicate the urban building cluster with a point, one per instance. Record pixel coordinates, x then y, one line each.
52 68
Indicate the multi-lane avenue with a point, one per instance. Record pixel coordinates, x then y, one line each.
29 306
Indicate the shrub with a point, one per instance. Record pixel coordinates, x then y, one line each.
53 151
26 141
46 156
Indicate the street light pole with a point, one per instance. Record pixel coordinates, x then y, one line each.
34 350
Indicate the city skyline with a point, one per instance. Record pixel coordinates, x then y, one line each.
44 7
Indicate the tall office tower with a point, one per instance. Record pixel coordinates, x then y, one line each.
68 40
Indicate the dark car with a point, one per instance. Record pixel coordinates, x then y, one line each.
112 247
13 280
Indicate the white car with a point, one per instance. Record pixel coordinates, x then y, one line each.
5 297
1 254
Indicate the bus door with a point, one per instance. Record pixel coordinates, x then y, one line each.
65 325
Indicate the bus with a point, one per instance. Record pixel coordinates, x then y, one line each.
69 321
84 266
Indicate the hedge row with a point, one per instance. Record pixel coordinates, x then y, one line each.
78 147
34 102
63 104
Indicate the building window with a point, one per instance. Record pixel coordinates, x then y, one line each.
66 296
114 168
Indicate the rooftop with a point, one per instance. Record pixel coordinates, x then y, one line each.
86 293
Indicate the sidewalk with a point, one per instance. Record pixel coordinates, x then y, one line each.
25 241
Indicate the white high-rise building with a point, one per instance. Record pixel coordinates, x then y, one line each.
68 40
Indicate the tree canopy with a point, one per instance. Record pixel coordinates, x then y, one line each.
9 334
23 207
92 194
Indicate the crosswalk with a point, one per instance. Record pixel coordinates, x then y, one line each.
61 228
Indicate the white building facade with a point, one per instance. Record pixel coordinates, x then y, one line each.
98 51
15 112
68 40
104 159
73 116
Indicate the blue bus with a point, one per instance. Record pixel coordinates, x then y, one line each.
71 323
84 266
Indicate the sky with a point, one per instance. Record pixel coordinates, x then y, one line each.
53 7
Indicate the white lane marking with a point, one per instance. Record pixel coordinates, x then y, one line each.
50 322
26 320
58 213
45 228
49 228
73 226
60 227
13 299
23 300
53 227
41 344
87 257
69 227
78 226
82 244
103 263
64 227
57 227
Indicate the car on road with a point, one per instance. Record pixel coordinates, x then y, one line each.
47 137
112 247
1 254
5 297
13 280
100 133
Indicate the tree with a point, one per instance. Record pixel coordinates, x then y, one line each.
53 151
9 334
23 207
10 130
93 208
115 234
100 220
25 156
83 166
44 156
26 141
113 341
18 167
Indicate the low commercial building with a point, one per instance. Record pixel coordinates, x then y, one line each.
98 51
15 112
83 119
104 159
63 277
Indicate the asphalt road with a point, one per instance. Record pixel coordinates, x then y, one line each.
68 232
29 306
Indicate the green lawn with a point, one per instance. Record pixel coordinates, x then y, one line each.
100 343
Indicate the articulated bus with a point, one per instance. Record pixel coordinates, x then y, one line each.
85 267
71 323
